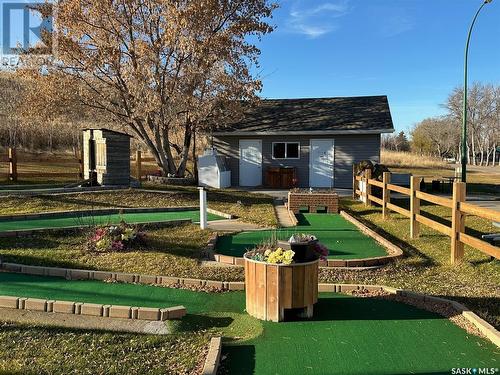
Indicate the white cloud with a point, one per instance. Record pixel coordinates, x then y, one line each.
315 21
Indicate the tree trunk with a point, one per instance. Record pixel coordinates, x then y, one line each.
195 159
181 170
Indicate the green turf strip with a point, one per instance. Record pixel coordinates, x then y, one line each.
350 335
341 237
54 288
88 220
347 335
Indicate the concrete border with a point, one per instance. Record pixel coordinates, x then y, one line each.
92 309
213 357
394 252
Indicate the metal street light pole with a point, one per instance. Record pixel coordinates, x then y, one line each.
464 116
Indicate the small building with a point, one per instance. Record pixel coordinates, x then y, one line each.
106 157
318 139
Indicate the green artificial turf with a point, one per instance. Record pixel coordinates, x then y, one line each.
84 219
348 335
341 237
20 285
352 335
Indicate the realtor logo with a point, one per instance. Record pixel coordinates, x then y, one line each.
23 28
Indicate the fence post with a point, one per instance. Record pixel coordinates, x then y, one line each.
386 194
368 175
354 181
79 157
138 165
457 222
414 207
12 164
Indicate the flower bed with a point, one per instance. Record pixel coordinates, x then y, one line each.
116 238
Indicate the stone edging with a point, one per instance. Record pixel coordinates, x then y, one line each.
219 213
292 216
359 264
92 309
213 357
77 274
484 327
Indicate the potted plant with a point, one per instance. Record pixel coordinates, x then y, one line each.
275 282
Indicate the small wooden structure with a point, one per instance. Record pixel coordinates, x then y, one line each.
106 157
272 288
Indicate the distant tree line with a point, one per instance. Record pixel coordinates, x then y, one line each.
441 136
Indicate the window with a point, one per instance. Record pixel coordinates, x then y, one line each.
286 150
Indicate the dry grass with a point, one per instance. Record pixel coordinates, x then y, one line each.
426 267
479 179
395 159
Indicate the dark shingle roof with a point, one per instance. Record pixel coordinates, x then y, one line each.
349 114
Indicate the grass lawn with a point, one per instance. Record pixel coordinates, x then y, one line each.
254 208
85 219
171 251
32 349
342 238
348 335
426 267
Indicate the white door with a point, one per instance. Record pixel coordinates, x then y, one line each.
321 161
250 162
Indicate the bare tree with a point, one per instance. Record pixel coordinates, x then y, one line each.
159 68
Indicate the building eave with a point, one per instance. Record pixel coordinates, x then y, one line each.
301 133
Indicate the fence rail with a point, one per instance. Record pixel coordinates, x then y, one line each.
14 166
362 188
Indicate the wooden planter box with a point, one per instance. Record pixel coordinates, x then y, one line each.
312 201
272 288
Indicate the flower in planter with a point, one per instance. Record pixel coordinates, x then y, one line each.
302 237
277 256
321 250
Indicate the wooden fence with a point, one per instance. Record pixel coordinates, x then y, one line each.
138 168
362 187
15 166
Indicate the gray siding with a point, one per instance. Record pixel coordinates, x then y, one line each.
348 149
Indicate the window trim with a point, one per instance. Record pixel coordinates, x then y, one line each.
286 151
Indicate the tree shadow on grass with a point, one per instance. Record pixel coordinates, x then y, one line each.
195 323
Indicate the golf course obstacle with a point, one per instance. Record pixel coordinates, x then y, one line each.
273 288
389 253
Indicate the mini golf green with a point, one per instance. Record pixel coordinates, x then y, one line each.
348 335
341 237
85 219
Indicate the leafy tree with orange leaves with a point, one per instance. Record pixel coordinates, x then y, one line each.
159 68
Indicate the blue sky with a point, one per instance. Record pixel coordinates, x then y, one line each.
410 50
